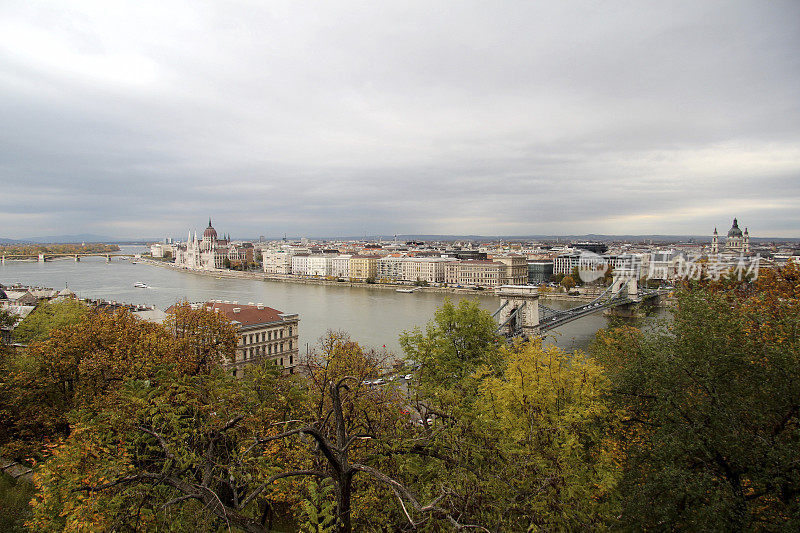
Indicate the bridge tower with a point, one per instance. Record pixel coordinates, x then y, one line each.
42 258
623 276
108 258
519 309
77 258
3 262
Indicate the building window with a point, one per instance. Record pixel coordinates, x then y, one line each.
290 331
281 334
281 361
291 360
281 347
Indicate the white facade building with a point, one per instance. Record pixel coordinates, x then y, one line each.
428 269
276 261
300 265
319 265
340 266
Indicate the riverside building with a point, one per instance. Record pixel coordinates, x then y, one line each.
265 335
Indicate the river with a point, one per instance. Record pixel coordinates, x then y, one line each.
373 317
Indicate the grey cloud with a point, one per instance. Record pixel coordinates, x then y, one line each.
346 118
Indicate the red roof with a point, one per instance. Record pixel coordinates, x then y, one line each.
247 315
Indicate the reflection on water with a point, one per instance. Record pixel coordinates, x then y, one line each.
372 317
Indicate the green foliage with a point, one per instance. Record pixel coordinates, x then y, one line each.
7 320
459 340
553 424
576 276
110 443
319 509
14 508
49 316
77 365
712 428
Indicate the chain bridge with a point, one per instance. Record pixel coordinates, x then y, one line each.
521 312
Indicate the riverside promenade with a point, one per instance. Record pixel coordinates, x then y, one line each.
262 276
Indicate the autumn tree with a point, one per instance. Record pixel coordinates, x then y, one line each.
453 455
712 408
75 365
49 316
518 437
205 338
208 450
568 282
553 422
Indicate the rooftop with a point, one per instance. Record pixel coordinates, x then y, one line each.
248 315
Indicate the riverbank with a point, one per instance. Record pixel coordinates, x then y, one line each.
262 276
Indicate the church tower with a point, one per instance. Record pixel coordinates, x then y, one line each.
746 243
715 243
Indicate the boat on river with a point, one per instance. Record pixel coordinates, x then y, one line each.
406 290
140 285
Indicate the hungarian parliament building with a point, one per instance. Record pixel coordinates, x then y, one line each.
211 252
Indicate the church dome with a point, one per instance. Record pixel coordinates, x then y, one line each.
210 232
735 231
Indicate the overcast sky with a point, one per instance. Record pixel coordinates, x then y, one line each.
142 118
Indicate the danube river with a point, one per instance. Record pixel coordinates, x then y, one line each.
372 317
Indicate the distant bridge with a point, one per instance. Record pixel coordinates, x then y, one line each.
43 257
520 312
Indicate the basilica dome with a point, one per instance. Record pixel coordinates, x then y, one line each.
733 232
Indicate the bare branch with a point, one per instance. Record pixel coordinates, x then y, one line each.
400 490
324 446
356 437
232 422
121 481
181 498
160 439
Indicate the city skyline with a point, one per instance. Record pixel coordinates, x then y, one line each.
467 119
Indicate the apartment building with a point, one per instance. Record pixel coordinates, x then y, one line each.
340 266
390 267
300 264
515 271
276 261
319 265
265 335
363 267
428 269
474 273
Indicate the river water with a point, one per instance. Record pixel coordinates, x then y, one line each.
373 317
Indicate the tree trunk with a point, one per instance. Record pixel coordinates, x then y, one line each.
343 501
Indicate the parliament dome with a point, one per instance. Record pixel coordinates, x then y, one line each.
210 232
